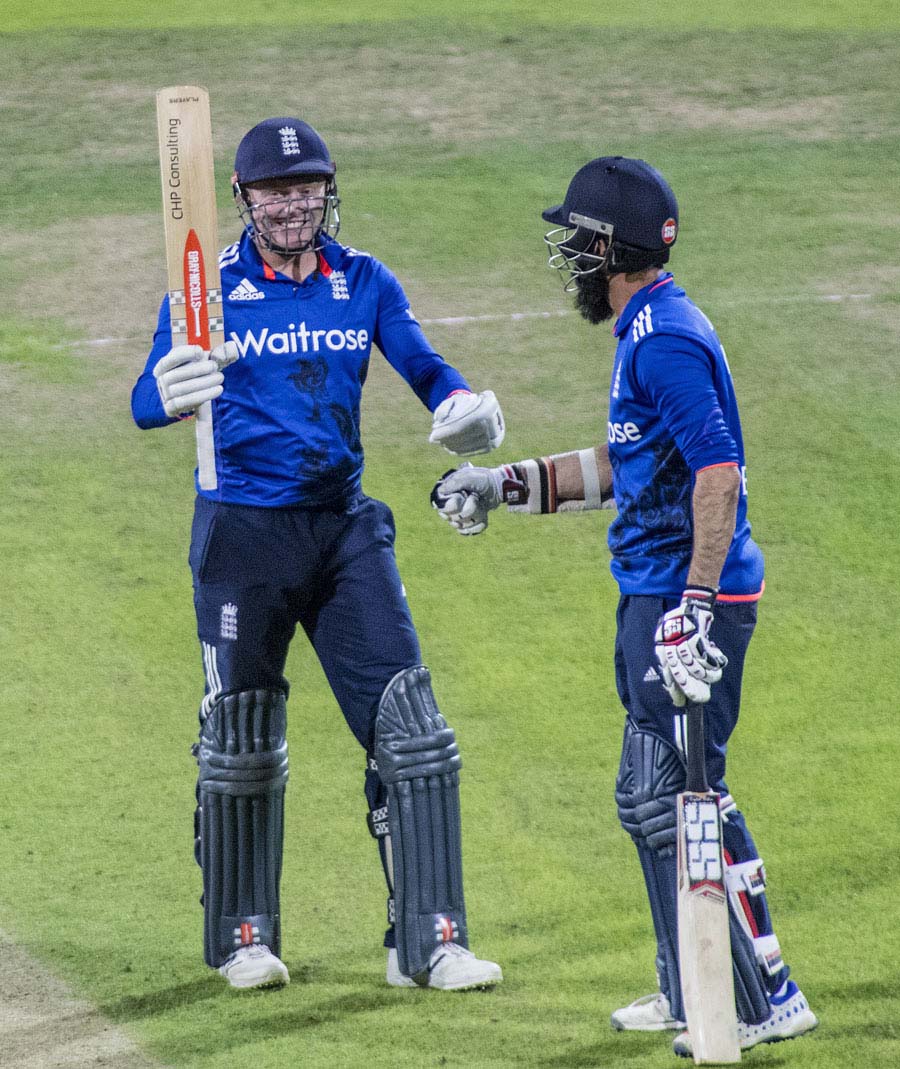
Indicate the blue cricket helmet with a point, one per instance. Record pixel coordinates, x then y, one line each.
625 201
281 148
284 148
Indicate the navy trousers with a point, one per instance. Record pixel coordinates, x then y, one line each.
260 572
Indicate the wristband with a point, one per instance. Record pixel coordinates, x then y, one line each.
540 477
695 592
590 477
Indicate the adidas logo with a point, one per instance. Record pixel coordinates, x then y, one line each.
651 675
246 291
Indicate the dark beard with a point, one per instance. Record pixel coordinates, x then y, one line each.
592 297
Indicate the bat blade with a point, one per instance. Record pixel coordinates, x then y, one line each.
192 242
704 943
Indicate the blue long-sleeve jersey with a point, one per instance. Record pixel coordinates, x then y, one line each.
286 427
672 412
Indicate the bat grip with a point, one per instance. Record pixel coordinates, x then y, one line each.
696 749
206 448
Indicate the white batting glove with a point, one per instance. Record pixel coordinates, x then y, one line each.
464 496
187 376
690 661
468 423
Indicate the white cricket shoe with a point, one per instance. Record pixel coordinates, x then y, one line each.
254 966
648 1014
450 968
790 1017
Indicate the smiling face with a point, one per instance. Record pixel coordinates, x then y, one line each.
287 213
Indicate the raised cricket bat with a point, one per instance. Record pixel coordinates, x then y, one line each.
192 241
704 943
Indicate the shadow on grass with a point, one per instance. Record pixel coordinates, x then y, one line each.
300 1008
284 1022
595 1055
156 1003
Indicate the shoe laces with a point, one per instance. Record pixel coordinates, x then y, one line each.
456 949
251 950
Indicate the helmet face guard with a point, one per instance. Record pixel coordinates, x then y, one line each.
569 247
290 225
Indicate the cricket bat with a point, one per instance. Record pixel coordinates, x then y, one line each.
192 242
704 943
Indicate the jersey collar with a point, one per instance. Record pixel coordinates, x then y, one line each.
660 288
271 275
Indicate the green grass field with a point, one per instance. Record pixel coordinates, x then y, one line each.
452 128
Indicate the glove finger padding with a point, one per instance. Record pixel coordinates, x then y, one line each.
187 376
175 357
466 513
225 354
468 423
485 483
191 401
470 506
197 369
684 683
451 507
689 660
671 687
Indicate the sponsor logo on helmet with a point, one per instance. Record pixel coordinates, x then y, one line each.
669 231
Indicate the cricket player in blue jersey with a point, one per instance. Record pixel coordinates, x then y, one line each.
688 570
288 537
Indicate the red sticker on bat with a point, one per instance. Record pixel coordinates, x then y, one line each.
196 312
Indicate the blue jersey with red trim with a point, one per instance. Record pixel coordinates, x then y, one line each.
672 412
286 426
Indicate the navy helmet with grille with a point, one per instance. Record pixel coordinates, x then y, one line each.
626 202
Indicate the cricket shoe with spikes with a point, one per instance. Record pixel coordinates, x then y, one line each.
790 1017
648 1014
254 966
450 968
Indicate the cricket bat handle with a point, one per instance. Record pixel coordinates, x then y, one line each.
696 749
206 442
206 447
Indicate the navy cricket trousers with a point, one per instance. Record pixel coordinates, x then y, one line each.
259 572
638 678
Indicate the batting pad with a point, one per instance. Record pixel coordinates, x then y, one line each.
419 763
650 776
243 771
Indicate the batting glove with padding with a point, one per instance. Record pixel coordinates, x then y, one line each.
187 376
688 658
468 423
464 496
